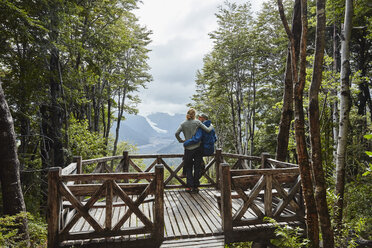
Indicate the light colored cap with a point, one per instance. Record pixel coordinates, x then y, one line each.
204 116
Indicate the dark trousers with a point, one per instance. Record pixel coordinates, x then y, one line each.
192 162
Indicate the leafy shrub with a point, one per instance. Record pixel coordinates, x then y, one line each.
83 142
9 231
287 236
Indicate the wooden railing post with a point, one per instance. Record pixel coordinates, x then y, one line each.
268 195
126 161
109 206
54 206
264 156
217 166
158 232
226 205
79 165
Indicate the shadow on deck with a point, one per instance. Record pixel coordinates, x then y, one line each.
134 209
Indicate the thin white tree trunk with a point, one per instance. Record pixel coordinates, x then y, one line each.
344 109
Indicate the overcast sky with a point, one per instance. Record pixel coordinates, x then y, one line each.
179 42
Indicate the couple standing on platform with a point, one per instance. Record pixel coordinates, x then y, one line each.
199 141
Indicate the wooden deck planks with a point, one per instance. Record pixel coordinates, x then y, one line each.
195 218
191 220
183 222
213 241
212 220
205 217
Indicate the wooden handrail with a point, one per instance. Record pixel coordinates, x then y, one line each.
241 156
69 169
265 171
107 176
279 188
106 187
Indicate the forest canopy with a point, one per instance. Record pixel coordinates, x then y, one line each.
71 69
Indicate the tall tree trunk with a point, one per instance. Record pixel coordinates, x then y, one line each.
303 157
45 147
56 113
120 115
344 111
13 202
335 116
109 103
314 119
364 96
287 111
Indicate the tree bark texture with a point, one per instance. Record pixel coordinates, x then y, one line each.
335 116
287 111
56 113
13 202
315 137
121 105
302 155
344 111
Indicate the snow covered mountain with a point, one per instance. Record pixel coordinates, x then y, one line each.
153 133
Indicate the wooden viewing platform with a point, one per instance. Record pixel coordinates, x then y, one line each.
119 204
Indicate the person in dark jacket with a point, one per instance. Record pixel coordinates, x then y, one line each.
207 139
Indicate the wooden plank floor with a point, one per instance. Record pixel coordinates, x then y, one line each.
205 242
187 217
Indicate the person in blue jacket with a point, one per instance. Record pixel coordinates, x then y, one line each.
207 139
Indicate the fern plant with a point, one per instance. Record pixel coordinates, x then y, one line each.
287 236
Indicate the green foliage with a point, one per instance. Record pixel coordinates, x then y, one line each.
241 78
369 153
358 202
287 236
9 236
357 212
83 142
239 245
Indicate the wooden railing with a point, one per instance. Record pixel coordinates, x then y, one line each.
74 195
74 190
128 163
276 184
210 173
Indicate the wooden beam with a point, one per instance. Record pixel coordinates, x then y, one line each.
99 160
158 232
133 156
79 207
69 169
218 158
226 204
268 196
108 176
133 206
231 155
248 200
265 171
93 199
106 233
54 203
109 205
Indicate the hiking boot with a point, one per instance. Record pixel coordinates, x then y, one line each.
195 190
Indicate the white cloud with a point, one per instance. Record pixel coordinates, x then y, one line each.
180 40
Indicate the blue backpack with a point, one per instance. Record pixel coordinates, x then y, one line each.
208 140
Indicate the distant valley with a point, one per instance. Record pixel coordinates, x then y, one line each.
153 134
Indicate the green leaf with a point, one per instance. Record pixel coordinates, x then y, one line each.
368 136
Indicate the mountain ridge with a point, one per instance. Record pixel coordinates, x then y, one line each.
153 133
